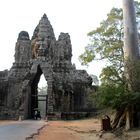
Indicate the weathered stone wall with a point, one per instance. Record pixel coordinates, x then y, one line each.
3 93
43 54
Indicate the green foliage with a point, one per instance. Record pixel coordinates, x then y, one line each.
90 97
114 97
88 56
110 75
106 43
109 96
133 81
106 40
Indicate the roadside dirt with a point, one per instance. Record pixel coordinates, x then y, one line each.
70 130
7 122
82 130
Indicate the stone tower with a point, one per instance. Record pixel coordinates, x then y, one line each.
43 54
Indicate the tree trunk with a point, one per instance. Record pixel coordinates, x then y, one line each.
131 52
127 125
117 118
121 120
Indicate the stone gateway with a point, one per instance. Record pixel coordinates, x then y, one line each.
42 54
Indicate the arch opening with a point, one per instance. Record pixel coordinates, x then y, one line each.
38 95
42 96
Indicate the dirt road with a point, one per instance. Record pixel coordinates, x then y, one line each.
82 130
70 130
74 130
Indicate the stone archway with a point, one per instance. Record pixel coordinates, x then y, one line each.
33 105
43 54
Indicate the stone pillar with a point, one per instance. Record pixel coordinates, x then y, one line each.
50 97
71 101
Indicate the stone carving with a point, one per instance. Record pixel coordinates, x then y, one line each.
23 49
43 54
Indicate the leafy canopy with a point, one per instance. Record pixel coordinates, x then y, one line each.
106 43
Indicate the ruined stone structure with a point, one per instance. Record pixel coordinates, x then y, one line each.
43 54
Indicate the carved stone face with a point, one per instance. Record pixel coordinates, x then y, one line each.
23 35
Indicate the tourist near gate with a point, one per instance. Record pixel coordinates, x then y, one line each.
42 54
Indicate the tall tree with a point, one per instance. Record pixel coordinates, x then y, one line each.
131 50
131 53
106 43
